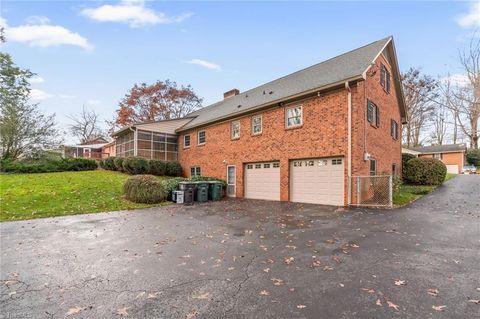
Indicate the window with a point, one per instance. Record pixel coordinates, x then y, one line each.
186 141
384 78
256 124
195 171
235 130
276 165
249 166
373 114
394 169
394 129
201 137
373 167
266 165
293 116
438 156
322 162
337 161
258 165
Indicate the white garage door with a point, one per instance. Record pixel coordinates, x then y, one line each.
317 181
262 180
453 169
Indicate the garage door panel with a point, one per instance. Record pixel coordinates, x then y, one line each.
262 181
317 181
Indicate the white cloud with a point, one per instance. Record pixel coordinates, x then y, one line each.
36 79
471 18
42 34
36 20
456 79
93 102
36 94
206 64
67 96
132 12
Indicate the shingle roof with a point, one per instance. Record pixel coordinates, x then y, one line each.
440 148
348 66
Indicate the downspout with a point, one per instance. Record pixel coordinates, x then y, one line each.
349 121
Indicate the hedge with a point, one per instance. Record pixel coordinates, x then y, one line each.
173 169
118 163
146 189
47 166
109 163
136 165
425 171
158 167
405 158
473 157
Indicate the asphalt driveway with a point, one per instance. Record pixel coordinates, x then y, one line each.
250 259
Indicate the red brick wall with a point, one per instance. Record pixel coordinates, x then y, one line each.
323 133
367 138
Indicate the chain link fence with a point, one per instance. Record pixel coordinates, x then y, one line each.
372 191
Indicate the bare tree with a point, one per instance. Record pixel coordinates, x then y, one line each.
439 124
86 125
419 90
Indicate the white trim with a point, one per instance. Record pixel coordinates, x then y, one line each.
252 125
364 74
198 137
301 115
349 166
234 181
135 142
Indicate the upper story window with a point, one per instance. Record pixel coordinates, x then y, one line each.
293 116
186 140
394 129
235 130
384 78
373 114
202 138
256 124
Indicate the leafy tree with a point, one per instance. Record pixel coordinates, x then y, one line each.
473 157
159 101
23 128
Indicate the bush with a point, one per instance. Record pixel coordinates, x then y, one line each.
173 169
157 167
100 163
109 163
146 189
118 163
473 157
405 159
48 166
425 171
208 179
171 184
135 165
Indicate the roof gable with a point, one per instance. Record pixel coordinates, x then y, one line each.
349 66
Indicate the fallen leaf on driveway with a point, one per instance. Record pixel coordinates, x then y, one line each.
122 312
191 315
327 268
400 282
378 302
301 306
266 270
10 282
277 282
392 305
316 263
432 292
202 296
354 245
74 310
439 308
370 291
289 260
264 293
475 301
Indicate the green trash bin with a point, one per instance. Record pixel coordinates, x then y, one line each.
201 192
215 190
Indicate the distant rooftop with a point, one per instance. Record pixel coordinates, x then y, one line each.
440 148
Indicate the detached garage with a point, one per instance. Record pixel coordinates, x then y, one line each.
317 181
262 180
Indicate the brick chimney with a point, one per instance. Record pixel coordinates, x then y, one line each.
230 93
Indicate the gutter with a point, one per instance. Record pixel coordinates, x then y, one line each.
349 121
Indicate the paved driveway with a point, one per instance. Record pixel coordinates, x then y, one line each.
250 259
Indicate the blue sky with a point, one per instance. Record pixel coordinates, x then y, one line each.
92 52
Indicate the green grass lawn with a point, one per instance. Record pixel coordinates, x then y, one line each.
410 193
26 196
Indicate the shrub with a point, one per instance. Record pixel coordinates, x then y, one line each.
109 163
207 178
157 167
135 165
100 163
47 166
425 171
473 157
118 163
146 189
173 169
171 184
405 158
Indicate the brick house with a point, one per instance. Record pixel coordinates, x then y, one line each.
452 155
299 138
